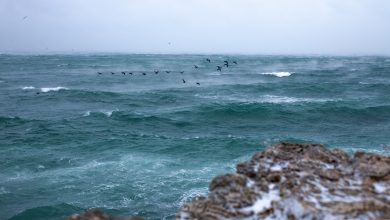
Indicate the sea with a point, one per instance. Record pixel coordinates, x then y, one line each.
77 133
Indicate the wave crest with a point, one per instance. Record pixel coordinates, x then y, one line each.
28 87
278 74
54 89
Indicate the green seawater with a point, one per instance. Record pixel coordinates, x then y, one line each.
73 139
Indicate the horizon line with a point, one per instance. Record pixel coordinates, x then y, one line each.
37 53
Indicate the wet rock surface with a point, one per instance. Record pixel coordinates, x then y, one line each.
299 181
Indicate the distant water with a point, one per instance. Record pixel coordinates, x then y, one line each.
145 144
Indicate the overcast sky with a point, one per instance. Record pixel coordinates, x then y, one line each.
346 27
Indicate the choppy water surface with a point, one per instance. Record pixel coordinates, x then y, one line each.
139 144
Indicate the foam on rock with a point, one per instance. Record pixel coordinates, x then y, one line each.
299 181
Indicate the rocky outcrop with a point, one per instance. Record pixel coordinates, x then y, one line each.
299 181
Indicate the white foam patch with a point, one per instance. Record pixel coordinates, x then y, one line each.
278 74
87 113
265 201
380 187
191 194
54 89
28 87
108 113
265 99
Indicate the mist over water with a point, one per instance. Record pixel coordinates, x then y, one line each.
143 145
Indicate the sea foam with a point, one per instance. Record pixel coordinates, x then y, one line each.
28 87
55 89
278 74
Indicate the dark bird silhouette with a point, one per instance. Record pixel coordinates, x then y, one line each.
235 62
208 60
144 74
225 61
167 71
25 17
226 64
130 73
38 93
197 83
219 68
99 73
123 73
196 67
181 72
112 73
156 71
183 81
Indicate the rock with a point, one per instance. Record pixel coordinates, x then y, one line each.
299 181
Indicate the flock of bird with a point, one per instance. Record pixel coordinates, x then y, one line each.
144 73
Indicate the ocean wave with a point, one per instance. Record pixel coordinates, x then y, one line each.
266 99
278 74
8 120
3 191
28 87
108 113
332 110
58 211
54 89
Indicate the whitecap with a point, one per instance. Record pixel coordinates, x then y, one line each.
278 74
87 113
28 87
265 99
109 112
48 89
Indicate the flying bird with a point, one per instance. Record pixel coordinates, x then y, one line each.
197 83
235 62
156 71
167 71
226 64
181 72
183 81
219 68
208 60
196 67
112 73
123 73
130 73
144 74
99 73
25 17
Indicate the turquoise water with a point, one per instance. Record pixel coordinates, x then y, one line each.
139 144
